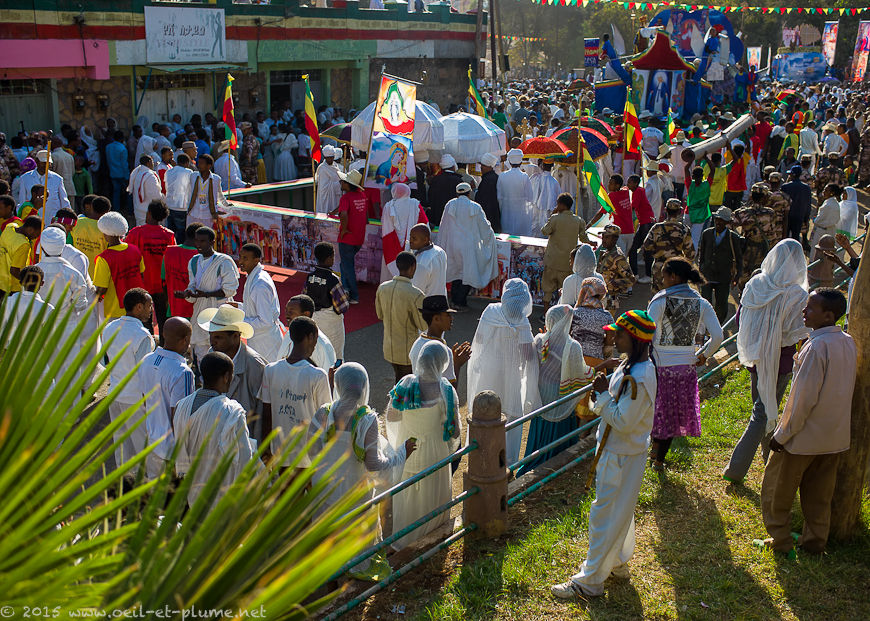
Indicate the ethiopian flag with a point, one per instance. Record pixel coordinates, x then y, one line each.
311 122
672 127
632 126
477 100
228 117
594 181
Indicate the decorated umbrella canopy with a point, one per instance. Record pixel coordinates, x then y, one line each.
543 148
578 84
428 131
784 93
467 137
337 133
596 144
598 125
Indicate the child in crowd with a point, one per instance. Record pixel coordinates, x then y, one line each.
699 204
439 319
82 181
330 299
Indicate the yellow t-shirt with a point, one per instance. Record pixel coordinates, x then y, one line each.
15 251
718 184
103 278
87 238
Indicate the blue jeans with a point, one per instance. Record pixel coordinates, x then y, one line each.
756 432
119 186
347 261
177 222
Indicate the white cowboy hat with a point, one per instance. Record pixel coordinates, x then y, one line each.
354 178
225 318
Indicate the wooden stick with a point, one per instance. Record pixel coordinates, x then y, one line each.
45 187
590 478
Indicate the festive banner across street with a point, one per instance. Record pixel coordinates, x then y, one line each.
651 6
829 41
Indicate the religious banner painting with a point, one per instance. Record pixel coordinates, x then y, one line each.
678 92
862 51
829 41
590 52
391 158
753 57
246 226
658 95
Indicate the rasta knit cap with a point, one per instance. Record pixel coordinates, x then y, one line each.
637 323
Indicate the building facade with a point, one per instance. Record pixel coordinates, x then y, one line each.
80 63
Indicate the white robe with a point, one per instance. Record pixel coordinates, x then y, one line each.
328 187
17 305
217 428
546 190
235 173
468 239
431 274
57 196
285 165
399 216
515 198
199 190
58 274
221 273
263 312
144 187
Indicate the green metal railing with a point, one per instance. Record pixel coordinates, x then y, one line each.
547 447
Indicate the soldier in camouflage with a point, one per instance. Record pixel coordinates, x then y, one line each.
667 239
613 265
756 223
780 202
832 173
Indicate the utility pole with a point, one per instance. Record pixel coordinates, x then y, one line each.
478 44
492 38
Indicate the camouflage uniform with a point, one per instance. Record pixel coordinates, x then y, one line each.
613 265
665 240
757 225
780 203
864 156
829 174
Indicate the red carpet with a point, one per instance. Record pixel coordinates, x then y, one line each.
289 282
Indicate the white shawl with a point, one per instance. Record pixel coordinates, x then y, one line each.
574 372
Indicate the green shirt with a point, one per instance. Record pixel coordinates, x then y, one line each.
699 202
499 119
83 182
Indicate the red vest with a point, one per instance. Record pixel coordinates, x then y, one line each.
175 261
124 266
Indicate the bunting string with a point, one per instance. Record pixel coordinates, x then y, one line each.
655 6
512 39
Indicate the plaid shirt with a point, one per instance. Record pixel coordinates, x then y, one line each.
325 289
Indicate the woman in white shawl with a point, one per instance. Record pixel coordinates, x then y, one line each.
424 407
770 324
584 265
562 371
849 214
285 164
504 360
92 150
347 429
398 218
145 146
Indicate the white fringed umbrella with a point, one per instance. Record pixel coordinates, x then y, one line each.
428 131
467 137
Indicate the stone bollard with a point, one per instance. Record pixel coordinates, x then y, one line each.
487 468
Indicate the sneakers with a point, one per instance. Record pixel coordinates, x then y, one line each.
354 301
566 590
644 280
620 572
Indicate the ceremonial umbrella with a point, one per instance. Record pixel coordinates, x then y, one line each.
428 131
784 93
596 144
339 133
598 125
542 147
577 84
467 137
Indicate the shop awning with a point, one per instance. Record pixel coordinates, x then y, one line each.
54 58
198 68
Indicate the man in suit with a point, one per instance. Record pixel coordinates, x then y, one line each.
720 258
226 326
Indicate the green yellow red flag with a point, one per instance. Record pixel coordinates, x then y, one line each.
311 122
228 117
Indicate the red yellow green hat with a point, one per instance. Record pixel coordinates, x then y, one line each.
637 323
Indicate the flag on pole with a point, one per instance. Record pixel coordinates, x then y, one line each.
672 127
594 181
311 122
632 126
476 99
228 117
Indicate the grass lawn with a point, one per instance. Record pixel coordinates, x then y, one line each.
694 555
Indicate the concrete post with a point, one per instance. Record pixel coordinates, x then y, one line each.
487 467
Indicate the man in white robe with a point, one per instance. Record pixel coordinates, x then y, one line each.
19 304
504 358
224 160
469 241
546 190
57 196
260 304
206 194
211 423
130 343
213 280
515 198
144 187
431 274
327 182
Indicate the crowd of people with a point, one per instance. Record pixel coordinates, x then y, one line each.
219 367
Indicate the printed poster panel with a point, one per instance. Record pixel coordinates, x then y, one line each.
753 57
242 226
829 41
862 50
184 35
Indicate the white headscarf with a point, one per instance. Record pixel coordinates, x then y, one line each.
849 213
92 151
144 147
584 266
351 387
770 317
555 345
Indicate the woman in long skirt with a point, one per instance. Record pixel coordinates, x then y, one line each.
680 313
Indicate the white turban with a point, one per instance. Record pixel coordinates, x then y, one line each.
400 190
447 161
328 151
488 159
52 241
515 157
112 223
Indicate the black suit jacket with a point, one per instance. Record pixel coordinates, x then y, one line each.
487 197
716 262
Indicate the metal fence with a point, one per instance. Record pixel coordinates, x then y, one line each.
464 496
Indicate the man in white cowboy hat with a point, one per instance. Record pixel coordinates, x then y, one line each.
654 187
352 212
128 343
226 327
327 181
516 198
57 196
227 161
213 279
260 303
